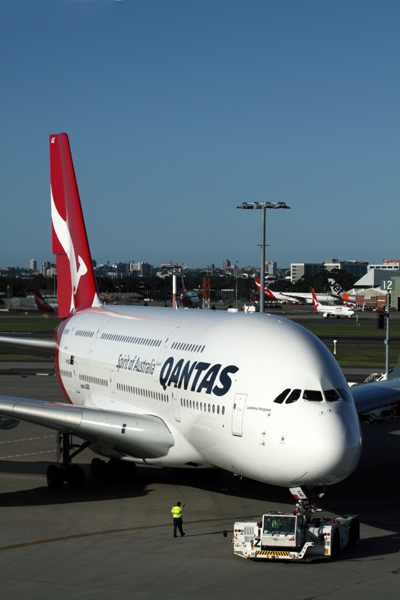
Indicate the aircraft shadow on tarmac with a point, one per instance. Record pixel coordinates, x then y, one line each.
372 491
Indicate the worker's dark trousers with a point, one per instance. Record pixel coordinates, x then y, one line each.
178 523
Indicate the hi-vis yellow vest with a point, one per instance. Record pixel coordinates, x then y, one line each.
177 512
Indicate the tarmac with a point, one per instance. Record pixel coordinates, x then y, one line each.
111 541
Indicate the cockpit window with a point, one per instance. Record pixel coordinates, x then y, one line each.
331 395
279 399
295 395
313 395
346 394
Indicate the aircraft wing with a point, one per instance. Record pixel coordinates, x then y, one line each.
29 343
376 394
139 436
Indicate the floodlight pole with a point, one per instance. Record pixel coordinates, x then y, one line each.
263 206
262 266
387 332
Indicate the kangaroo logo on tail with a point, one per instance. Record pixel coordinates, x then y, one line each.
315 301
76 282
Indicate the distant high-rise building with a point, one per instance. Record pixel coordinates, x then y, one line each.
227 264
45 266
298 270
33 264
270 267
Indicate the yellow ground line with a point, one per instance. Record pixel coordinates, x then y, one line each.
82 535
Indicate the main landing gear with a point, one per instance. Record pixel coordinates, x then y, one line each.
113 471
73 475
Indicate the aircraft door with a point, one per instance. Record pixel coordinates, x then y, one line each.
175 407
239 404
112 385
162 352
76 374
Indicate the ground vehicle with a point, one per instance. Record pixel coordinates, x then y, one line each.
378 414
295 536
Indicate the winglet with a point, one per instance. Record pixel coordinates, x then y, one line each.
75 277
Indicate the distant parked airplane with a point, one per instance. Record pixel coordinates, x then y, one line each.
334 311
304 297
338 291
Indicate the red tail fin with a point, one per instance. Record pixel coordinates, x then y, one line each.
267 291
75 278
315 301
41 303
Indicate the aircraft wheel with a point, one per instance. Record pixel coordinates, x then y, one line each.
54 477
106 472
77 477
371 419
130 474
354 534
336 544
96 468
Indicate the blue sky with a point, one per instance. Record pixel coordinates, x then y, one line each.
179 110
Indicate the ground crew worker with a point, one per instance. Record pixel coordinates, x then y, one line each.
177 518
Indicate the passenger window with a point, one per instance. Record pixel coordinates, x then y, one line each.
312 395
295 395
279 399
223 410
331 395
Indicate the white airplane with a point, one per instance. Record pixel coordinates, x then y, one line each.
254 394
334 311
295 297
338 291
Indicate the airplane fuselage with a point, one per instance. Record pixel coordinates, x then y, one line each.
213 378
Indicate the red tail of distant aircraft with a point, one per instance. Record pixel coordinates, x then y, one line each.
268 292
41 303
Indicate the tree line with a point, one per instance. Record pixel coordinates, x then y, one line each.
160 289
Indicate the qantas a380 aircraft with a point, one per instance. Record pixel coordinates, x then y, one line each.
255 394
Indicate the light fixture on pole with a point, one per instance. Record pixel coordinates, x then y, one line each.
263 206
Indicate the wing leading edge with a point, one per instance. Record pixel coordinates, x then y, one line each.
138 436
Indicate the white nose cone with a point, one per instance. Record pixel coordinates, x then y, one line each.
334 448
